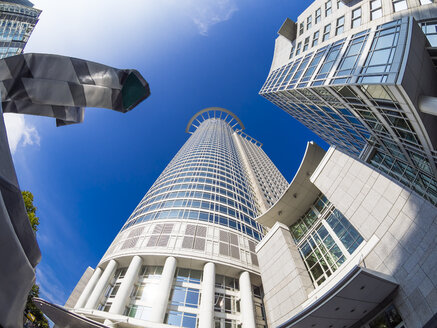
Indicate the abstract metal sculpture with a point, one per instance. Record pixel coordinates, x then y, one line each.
59 87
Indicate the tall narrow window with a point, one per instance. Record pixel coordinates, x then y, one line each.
328 8
399 5
293 46
326 32
318 15
309 22
306 43
375 9
315 38
340 25
356 17
298 48
340 4
301 28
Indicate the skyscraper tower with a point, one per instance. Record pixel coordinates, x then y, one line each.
186 255
361 75
17 21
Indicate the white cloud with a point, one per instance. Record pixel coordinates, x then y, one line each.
51 288
20 133
206 13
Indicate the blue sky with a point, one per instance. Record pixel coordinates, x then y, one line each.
88 178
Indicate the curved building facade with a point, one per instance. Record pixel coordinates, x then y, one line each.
186 256
17 21
361 74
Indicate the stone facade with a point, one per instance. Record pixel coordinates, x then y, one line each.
280 261
405 224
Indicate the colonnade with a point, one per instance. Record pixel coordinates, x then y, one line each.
89 299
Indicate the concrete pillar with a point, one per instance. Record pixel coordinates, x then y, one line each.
101 284
126 286
160 306
206 314
247 307
88 288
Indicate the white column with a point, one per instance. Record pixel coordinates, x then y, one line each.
126 286
247 308
88 288
101 284
206 314
161 300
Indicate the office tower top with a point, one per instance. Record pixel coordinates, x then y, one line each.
186 255
17 21
361 75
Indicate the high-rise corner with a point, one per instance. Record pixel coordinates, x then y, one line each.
361 75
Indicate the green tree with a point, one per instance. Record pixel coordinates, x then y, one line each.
31 209
40 320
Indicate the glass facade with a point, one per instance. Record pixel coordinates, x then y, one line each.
349 97
208 181
17 21
325 239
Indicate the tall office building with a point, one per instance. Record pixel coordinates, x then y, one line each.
17 21
186 256
361 75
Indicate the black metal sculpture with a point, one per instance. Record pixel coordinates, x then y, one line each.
59 87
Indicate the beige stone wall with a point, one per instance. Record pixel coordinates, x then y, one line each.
286 282
405 224
77 291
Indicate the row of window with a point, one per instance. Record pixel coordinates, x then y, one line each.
325 239
375 13
199 216
19 10
197 185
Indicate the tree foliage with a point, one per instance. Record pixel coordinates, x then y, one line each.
31 209
40 320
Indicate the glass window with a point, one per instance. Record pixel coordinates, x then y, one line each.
328 8
309 22
188 275
430 30
399 5
151 272
120 273
425 2
318 15
350 58
298 48
375 9
325 239
329 60
356 17
306 44
340 4
340 25
301 28
138 312
326 32
315 38
389 318
114 289
226 282
226 303
145 292
183 296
